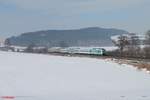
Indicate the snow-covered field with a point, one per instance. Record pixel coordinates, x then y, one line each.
45 77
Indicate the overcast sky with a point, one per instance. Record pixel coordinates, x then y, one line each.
18 16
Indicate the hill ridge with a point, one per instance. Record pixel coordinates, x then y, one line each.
90 36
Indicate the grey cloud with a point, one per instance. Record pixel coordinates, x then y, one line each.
63 14
70 4
72 7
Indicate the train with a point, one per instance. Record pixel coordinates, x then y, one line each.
80 50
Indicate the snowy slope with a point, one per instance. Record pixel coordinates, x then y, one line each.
45 77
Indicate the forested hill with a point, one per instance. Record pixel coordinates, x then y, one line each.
92 36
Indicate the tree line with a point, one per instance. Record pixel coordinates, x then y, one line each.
132 47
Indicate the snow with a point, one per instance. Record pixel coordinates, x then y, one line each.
45 77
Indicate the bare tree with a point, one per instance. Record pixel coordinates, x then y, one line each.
146 52
148 37
30 48
122 42
146 49
7 42
133 47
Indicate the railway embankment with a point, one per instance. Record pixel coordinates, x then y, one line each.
140 64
